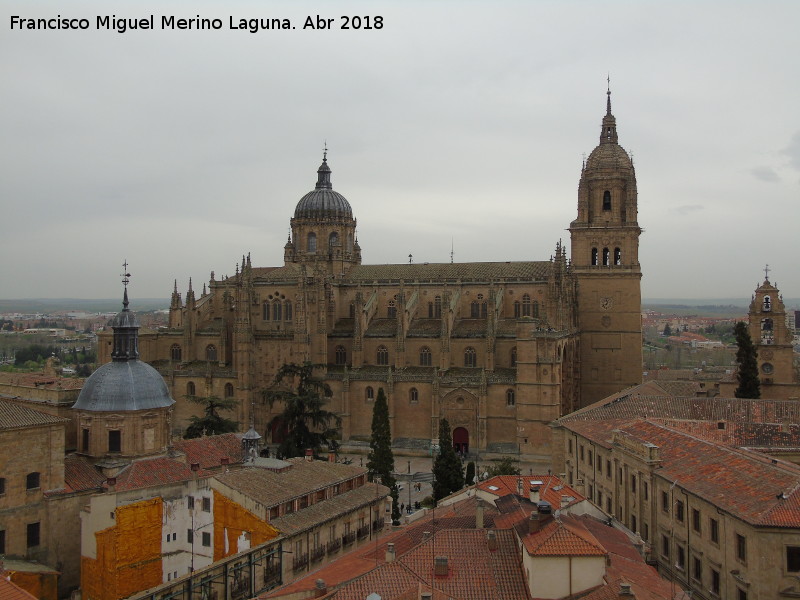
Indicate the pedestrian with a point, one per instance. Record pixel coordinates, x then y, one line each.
402 507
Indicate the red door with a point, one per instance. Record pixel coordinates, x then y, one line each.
461 440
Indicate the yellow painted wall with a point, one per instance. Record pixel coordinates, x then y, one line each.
128 554
42 585
232 519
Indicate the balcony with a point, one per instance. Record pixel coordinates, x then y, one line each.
334 545
348 538
317 553
300 561
362 531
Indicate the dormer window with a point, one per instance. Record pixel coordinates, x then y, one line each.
607 200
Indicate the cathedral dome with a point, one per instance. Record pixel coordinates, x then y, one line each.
609 156
122 386
323 202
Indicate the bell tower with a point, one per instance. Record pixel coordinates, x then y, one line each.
771 336
605 259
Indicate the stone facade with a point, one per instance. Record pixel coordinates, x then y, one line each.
499 349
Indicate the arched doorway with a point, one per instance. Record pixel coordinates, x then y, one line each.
461 440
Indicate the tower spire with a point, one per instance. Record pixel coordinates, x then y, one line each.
324 172
608 133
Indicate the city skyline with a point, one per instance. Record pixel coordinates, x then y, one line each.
456 127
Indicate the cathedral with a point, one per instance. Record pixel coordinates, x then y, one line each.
499 349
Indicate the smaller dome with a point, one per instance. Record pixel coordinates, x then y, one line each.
609 156
323 202
122 386
125 318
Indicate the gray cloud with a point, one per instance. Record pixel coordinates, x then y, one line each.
765 174
793 151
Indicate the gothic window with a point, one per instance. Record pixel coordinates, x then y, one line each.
266 311
606 200
483 310
514 356
352 310
391 311
312 242
470 358
85 436
517 309
175 352
276 310
211 352
383 355
437 307
510 399
114 440
767 304
617 256
430 310
536 308
288 310
606 255
526 305
425 359
594 257
190 389
333 240
32 481
229 390
413 396
340 355
474 310
370 394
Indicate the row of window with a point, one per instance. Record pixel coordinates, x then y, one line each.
176 354
277 311
413 396
425 356
607 257
32 482
191 389
333 240
32 539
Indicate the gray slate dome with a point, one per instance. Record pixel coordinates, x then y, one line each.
609 156
323 202
124 386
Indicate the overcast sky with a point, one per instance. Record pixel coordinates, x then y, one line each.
465 121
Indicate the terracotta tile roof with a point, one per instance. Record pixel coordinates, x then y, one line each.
756 436
150 472
551 488
566 536
40 380
11 591
270 488
439 272
332 508
80 475
16 416
753 487
209 451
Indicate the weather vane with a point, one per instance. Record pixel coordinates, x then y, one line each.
126 277
325 151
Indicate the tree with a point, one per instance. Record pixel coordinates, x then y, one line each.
470 475
504 466
380 460
447 474
306 420
746 355
667 330
211 423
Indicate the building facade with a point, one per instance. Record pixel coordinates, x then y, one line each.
499 349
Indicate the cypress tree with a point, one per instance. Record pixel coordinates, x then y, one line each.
447 474
380 460
746 355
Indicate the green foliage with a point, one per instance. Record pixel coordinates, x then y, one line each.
667 330
35 353
307 422
470 476
395 505
447 474
504 466
380 460
211 423
746 355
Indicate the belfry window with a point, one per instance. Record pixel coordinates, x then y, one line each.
425 359
594 257
470 357
340 355
617 256
606 200
211 353
767 304
606 256
526 305
175 352
312 242
383 355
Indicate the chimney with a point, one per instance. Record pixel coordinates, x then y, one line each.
390 553
479 515
426 596
309 454
625 590
112 483
426 535
195 468
533 523
225 460
534 494
491 540
320 588
440 566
